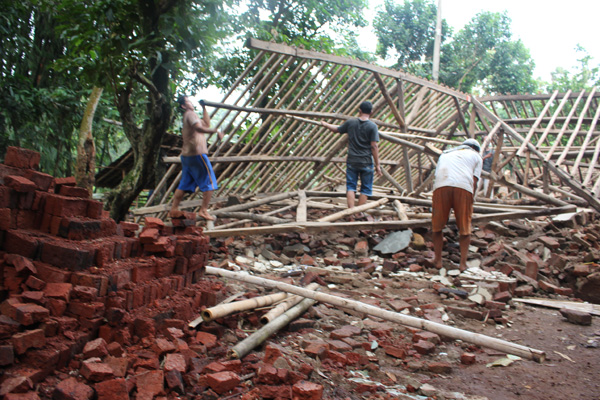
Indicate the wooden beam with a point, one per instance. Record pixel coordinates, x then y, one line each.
390 102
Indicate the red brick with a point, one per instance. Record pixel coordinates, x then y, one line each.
63 254
524 291
63 206
502 297
439 367
154 223
267 374
96 371
41 180
547 286
274 392
223 382
576 316
531 269
581 270
424 347
175 362
7 355
305 390
144 327
19 184
22 265
129 228
163 346
61 291
84 293
98 282
149 235
113 389
427 336
22 396
149 384
395 351
468 358
466 312
6 221
549 242
74 191
56 307
71 389
15 384
207 339
335 356
86 310
95 348
95 209
22 158
344 332
564 291
315 349
28 339
35 297
18 242
29 314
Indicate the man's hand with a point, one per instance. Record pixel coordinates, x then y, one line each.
378 170
202 104
220 134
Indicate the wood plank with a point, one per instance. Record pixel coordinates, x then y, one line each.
301 211
317 227
390 102
536 123
593 309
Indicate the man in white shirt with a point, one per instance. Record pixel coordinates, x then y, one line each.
456 175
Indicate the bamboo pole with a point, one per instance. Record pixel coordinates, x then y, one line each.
254 217
222 310
245 346
401 210
285 305
353 210
440 329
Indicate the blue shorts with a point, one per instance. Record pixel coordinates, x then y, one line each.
365 172
197 172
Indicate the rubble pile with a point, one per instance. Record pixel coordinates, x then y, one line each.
92 309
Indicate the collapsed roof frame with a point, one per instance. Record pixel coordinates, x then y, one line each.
274 141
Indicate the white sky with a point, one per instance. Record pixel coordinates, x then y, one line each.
550 29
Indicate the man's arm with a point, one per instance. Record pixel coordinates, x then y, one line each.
331 127
375 152
203 127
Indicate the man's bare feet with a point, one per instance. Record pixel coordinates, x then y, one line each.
437 264
204 214
176 214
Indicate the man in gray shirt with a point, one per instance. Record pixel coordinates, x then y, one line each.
363 153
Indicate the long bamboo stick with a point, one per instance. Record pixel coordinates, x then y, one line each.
285 305
353 210
440 329
245 346
222 310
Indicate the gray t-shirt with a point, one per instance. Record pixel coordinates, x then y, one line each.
360 135
487 163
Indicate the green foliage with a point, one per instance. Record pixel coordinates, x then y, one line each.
406 32
480 57
583 77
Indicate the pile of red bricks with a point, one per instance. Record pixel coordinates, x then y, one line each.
74 284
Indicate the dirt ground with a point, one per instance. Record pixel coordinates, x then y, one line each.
569 370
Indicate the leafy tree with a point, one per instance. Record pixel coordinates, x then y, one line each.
406 32
584 76
310 24
141 49
38 105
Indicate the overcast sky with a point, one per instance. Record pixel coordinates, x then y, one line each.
550 29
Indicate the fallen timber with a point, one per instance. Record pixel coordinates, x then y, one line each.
440 329
245 346
316 227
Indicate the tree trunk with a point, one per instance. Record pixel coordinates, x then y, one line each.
145 141
86 149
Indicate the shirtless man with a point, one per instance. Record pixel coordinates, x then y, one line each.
197 171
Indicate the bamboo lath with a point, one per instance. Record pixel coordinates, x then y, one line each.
547 146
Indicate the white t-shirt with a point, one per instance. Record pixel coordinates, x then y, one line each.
457 168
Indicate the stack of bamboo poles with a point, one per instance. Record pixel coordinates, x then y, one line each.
294 306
